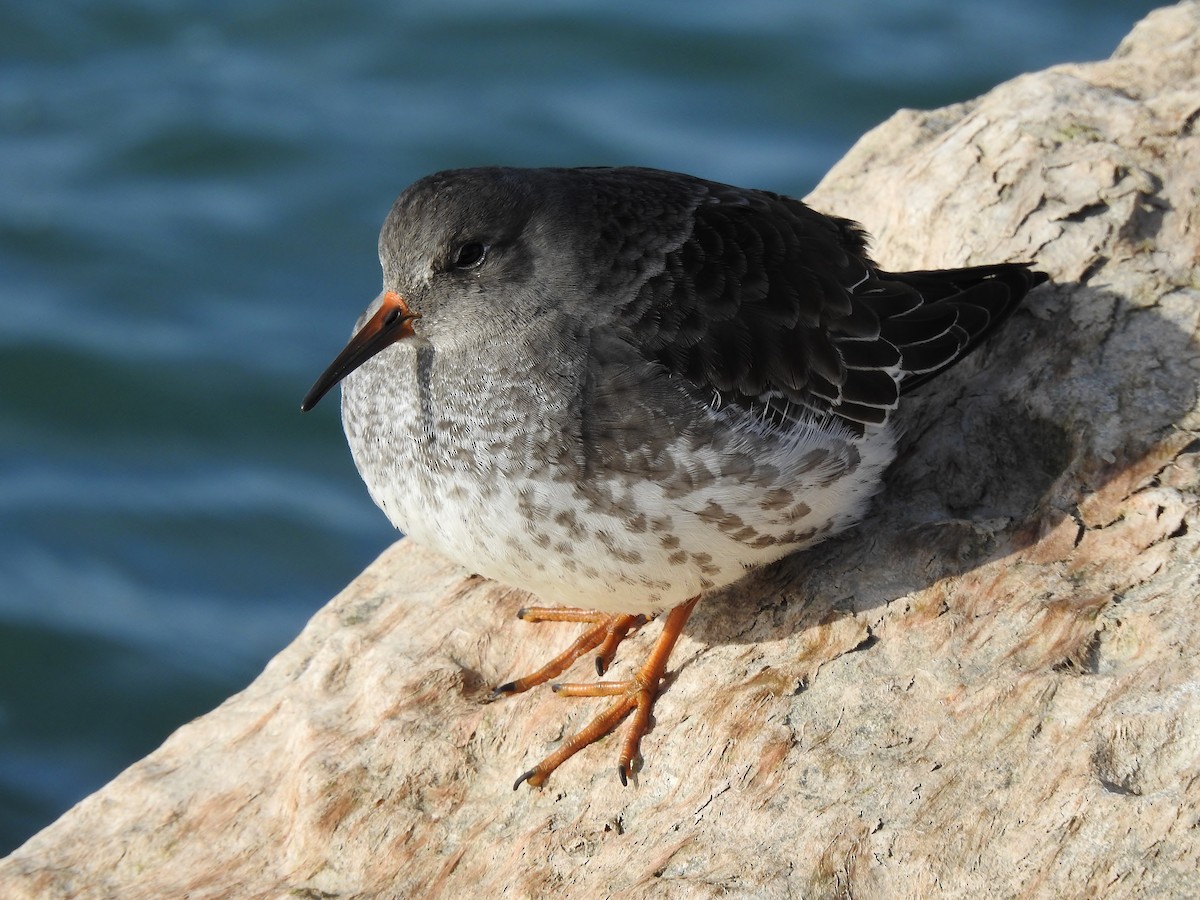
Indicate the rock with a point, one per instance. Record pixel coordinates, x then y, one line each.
991 688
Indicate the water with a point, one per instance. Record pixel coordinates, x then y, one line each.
189 204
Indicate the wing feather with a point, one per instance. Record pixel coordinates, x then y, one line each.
778 309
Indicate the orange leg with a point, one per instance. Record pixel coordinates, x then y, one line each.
635 694
608 631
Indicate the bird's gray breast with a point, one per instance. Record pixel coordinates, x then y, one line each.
445 437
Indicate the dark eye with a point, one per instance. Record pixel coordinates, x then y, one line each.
470 255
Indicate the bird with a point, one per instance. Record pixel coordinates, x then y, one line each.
620 389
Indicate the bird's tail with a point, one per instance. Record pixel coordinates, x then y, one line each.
936 318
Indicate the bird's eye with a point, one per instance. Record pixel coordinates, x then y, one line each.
470 255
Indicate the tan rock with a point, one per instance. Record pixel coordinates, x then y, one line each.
991 688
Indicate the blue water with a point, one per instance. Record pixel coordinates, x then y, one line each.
189 202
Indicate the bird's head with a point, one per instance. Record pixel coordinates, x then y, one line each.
464 256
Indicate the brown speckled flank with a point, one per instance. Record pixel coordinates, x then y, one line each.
621 388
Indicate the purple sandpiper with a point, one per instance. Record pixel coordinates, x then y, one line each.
620 389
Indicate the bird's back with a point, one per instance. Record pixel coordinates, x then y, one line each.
775 307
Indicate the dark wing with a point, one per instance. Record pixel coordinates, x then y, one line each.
776 308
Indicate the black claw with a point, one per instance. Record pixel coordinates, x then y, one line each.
600 665
624 778
555 687
521 612
509 687
524 777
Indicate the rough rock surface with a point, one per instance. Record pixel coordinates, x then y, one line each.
991 688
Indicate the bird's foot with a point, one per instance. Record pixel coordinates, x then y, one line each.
635 694
607 632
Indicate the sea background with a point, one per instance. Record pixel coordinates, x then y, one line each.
190 195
